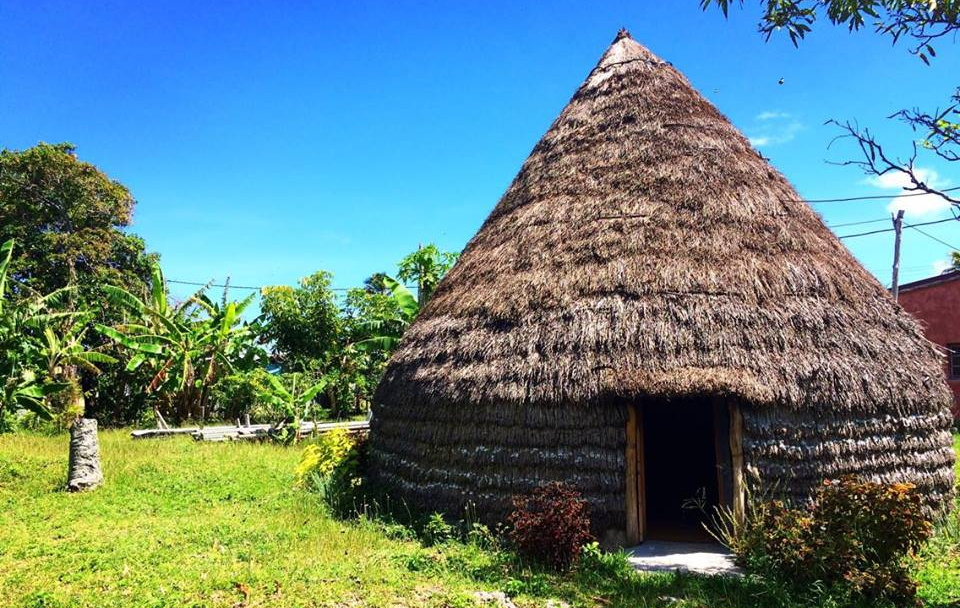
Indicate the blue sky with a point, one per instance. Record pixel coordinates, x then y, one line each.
266 140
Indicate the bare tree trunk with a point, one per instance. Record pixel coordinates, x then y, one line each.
84 470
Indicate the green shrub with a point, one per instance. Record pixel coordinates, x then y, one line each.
437 531
242 393
551 525
482 537
856 535
598 563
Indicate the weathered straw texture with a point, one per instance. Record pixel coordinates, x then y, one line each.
646 251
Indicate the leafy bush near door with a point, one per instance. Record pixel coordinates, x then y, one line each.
857 536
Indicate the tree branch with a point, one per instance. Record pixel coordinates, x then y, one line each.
875 160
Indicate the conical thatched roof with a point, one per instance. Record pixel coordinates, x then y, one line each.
646 249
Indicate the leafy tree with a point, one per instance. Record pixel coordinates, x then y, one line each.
425 267
69 219
346 344
302 323
385 324
924 22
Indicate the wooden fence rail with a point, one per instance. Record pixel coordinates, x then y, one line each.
249 431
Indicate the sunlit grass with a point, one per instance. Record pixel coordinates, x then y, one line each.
187 524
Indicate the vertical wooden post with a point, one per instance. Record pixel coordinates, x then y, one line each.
632 493
898 229
736 462
641 477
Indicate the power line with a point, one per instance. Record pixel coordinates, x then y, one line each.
877 221
930 236
850 236
255 288
868 198
213 285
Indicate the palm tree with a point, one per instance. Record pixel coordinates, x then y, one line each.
62 355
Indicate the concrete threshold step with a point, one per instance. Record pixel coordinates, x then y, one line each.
697 558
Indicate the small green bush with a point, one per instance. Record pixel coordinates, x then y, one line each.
242 393
856 535
437 531
482 537
551 525
598 563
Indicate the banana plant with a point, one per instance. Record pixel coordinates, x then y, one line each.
296 400
40 349
387 332
227 342
186 347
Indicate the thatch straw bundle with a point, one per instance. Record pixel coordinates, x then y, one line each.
644 252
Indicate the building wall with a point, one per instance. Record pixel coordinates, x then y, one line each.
790 453
937 306
448 458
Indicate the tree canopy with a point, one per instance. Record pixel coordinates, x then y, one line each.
68 218
425 267
301 323
922 20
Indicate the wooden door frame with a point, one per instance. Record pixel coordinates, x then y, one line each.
636 484
636 515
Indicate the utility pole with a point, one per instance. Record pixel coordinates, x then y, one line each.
898 230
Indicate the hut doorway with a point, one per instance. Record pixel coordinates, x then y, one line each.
682 461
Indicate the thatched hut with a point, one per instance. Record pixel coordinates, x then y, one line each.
651 313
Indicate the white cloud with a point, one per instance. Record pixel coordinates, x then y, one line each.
772 115
940 265
919 205
776 132
896 179
913 203
773 127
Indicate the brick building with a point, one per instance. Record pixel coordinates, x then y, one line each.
935 301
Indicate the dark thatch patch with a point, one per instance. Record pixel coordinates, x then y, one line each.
646 251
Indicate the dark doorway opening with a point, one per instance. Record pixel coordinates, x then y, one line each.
680 453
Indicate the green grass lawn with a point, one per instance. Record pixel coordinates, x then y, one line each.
184 524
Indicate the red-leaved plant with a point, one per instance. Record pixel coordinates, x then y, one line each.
551 525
